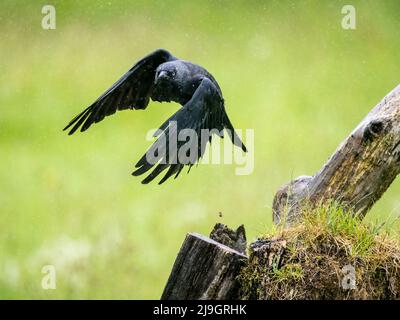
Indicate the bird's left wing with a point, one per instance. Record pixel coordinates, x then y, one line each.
131 91
182 139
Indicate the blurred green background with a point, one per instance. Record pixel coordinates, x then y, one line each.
287 69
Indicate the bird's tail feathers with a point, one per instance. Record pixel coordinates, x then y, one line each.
233 135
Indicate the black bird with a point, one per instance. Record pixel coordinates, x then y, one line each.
163 77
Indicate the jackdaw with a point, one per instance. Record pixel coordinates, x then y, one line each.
164 78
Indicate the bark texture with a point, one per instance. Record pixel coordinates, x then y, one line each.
204 269
232 239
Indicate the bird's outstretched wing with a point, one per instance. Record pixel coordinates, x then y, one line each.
131 91
205 110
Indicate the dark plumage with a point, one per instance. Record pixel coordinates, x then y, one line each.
162 77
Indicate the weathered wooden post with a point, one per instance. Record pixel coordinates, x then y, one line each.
207 269
358 173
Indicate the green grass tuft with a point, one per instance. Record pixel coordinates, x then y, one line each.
317 256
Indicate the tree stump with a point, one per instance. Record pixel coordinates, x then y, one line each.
205 269
232 239
358 173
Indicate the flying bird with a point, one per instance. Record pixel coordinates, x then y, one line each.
164 78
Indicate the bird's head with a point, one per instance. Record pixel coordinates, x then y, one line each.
169 81
166 72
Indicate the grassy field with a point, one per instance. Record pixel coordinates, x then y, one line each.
287 69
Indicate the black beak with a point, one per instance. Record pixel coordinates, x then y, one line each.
162 76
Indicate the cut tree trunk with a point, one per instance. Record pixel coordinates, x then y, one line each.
358 173
206 269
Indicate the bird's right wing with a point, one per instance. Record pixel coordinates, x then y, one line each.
131 91
203 114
